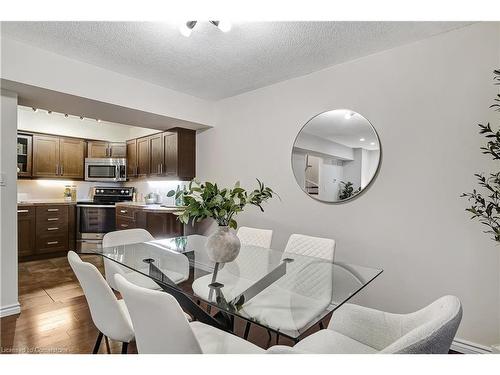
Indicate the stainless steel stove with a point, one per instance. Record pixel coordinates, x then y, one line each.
95 218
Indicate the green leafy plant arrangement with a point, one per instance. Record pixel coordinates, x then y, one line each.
485 205
204 200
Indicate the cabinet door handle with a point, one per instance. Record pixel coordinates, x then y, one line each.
124 225
62 169
121 211
52 242
22 211
52 219
57 169
54 228
52 209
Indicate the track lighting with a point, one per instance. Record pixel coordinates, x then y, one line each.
98 119
34 109
187 28
81 117
49 112
66 115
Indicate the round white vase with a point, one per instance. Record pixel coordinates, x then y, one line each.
223 246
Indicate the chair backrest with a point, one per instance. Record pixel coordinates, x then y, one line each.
159 322
430 330
311 246
255 237
119 238
106 313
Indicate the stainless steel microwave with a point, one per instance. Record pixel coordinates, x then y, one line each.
106 169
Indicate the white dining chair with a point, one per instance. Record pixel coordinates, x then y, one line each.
161 327
109 314
120 238
255 237
355 329
300 295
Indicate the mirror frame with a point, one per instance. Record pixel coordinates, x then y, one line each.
367 187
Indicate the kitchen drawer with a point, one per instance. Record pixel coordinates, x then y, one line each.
124 223
51 227
25 211
52 243
45 212
124 211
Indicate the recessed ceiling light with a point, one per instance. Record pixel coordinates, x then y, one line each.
362 139
187 28
224 26
372 143
98 119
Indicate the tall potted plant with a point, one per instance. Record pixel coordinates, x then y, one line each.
207 200
485 205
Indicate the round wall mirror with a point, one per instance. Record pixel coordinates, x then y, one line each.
336 156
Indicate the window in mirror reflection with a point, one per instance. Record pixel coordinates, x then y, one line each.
336 155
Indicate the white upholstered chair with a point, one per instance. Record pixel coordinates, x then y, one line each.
255 237
357 329
304 292
161 327
109 314
138 235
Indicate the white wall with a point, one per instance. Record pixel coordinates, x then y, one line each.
71 126
30 65
316 144
8 223
425 100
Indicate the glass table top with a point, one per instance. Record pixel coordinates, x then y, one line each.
281 291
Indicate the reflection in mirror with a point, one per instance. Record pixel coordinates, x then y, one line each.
336 155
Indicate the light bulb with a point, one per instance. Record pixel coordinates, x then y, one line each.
187 28
224 26
362 139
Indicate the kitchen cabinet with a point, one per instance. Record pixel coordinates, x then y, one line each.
101 149
143 157
132 158
46 230
25 231
58 157
24 154
156 154
180 153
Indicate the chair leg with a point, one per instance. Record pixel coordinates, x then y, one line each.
107 344
247 331
125 348
321 326
97 343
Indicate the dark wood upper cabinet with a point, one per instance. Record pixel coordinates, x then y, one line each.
101 149
143 157
117 150
180 153
97 149
72 156
132 158
45 156
156 154
24 155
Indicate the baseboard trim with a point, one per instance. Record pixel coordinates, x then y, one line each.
10 310
468 347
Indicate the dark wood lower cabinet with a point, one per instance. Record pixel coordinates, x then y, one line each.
159 224
45 230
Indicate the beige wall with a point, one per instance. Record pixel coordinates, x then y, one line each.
425 100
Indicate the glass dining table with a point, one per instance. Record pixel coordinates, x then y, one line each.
285 293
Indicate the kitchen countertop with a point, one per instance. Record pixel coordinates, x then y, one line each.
38 202
150 207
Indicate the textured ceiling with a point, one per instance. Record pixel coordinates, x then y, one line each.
211 64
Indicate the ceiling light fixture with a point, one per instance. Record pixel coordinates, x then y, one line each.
66 115
98 119
49 112
372 143
81 117
34 109
187 28
362 139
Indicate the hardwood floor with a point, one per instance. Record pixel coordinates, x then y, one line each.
55 317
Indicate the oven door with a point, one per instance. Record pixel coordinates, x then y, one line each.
94 221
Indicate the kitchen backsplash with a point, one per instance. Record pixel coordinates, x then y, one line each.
53 189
